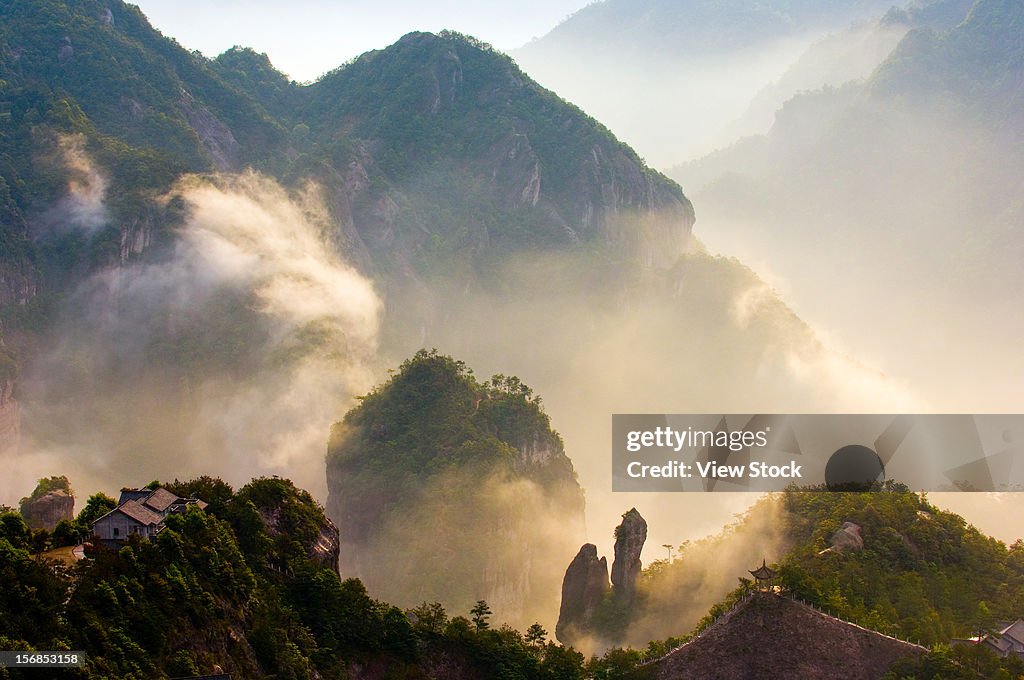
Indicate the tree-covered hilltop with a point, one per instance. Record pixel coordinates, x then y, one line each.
451 489
923 574
241 587
451 122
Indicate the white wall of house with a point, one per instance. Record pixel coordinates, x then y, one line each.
118 527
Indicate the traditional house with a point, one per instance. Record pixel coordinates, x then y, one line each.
140 512
1007 639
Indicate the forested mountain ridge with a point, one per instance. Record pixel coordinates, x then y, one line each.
442 112
238 589
146 111
150 110
245 572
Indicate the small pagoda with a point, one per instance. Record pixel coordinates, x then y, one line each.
764 577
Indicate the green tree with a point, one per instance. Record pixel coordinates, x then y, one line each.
14 529
430 617
536 635
480 613
98 505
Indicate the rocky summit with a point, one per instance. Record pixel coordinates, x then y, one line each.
50 502
629 542
583 590
586 593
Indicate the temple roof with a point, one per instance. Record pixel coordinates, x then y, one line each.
764 572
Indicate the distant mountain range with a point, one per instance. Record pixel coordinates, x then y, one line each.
616 30
670 77
910 182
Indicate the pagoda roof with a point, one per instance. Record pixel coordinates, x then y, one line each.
764 572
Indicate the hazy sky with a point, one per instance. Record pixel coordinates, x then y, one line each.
305 38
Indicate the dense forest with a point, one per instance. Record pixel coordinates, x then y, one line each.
240 587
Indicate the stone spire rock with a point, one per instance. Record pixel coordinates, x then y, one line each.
629 542
583 590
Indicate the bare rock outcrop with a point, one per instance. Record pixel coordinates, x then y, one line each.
583 590
327 549
629 542
10 417
48 509
846 538
216 137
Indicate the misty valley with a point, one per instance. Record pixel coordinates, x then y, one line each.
315 380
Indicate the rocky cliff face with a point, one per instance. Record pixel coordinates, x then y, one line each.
583 590
327 549
629 542
10 417
324 549
45 511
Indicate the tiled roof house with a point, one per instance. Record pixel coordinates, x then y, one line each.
1006 640
140 512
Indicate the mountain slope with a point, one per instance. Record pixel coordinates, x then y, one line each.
131 82
143 108
414 185
452 125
